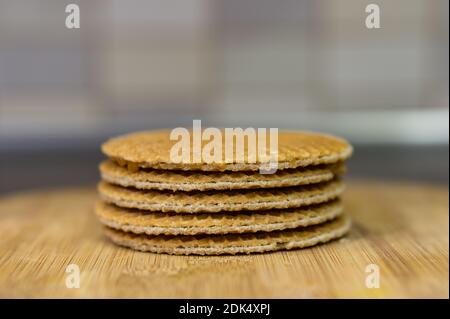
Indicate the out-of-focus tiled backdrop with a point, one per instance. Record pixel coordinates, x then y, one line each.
142 64
145 63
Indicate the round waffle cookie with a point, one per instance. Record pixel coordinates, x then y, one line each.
216 201
201 181
151 149
155 223
233 243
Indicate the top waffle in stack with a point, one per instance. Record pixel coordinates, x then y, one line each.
152 203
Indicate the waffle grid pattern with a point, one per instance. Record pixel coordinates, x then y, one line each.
151 204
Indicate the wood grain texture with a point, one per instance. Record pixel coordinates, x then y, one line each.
403 228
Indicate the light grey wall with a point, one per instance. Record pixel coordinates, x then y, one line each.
156 63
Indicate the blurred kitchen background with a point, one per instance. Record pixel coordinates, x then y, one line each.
298 64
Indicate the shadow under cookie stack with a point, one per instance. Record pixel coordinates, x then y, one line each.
149 203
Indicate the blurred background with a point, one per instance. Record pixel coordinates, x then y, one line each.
297 64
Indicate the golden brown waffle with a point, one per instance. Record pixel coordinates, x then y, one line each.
152 149
233 243
200 181
216 201
152 203
155 223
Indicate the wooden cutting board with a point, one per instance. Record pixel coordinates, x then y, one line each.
400 228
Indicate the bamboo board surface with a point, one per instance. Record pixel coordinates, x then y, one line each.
402 228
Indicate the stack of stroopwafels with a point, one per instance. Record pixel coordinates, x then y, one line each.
150 203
